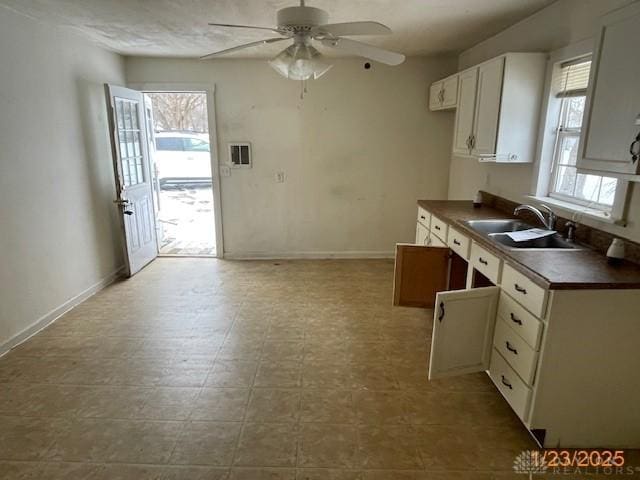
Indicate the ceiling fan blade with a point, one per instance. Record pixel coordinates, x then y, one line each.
231 25
364 50
351 28
241 47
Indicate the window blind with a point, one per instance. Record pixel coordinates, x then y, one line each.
573 78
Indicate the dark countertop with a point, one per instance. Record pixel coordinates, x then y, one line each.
555 270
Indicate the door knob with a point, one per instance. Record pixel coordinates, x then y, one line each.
128 212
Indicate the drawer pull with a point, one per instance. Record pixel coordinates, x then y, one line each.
423 217
505 383
520 289
515 319
436 227
483 261
441 314
456 242
510 348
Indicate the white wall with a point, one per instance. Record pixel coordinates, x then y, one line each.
58 229
357 152
562 23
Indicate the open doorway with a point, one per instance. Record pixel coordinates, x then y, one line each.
181 160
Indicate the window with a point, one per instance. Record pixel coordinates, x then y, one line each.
570 85
130 148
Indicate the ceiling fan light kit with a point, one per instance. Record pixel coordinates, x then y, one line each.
303 25
300 62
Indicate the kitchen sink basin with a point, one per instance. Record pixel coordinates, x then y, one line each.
496 230
498 226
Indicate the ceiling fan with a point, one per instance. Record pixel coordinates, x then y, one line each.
303 25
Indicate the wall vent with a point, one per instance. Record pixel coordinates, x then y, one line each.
240 155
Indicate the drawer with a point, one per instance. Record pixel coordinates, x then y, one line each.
458 243
424 217
522 322
524 291
514 390
439 228
486 263
518 354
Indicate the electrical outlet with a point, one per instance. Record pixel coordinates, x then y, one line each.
225 171
279 177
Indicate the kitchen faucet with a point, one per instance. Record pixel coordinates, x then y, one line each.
549 223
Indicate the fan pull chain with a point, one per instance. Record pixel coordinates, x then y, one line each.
303 89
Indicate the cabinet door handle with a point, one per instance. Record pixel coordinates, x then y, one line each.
505 383
437 227
483 261
510 348
520 289
423 217
515 319
456 242
441 314
634 149
468 142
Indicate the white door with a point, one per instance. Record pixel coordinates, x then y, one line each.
450 89
612 118
463 326
464 113
485 125
133 176
435 96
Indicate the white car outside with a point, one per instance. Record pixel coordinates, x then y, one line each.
182 158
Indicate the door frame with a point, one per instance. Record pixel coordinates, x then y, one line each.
210 90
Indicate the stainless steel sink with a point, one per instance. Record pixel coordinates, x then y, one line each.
498 226
496 230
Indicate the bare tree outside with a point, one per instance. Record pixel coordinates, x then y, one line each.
180 111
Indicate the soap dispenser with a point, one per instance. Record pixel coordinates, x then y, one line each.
615 253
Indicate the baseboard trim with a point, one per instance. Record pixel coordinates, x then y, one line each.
50 317
307 255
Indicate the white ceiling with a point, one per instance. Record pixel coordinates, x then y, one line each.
179 27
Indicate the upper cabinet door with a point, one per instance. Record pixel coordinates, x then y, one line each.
450 92
435 96
488 100
420 272
613 102
465 113
463 326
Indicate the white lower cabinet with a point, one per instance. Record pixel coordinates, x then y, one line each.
422 235
566 361
462 331
513 389
515 350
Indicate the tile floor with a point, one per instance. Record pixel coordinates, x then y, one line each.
204 369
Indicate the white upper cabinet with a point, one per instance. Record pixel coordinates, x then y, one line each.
468 81
499 108
443 94
612 114
487 112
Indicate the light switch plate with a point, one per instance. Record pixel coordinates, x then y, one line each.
279 177
225 171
